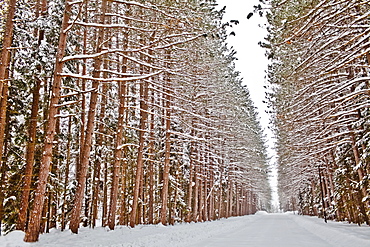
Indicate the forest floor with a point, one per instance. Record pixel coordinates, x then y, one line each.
257 230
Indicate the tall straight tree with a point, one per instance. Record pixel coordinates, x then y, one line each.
118 150
4 80
4 66
82 172
167 152
32 232
32 131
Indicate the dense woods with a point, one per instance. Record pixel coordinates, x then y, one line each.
319 96
123 112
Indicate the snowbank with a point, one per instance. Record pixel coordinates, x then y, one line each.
335 233
14 238
261 213
143 235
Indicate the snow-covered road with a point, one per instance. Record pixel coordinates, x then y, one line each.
269 230
253 230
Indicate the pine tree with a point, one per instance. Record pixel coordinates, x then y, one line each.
32 232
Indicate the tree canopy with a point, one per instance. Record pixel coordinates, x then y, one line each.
319 93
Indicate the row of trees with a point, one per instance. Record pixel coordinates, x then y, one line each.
123 112
320 95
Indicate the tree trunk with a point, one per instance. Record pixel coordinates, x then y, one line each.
7 43
99 154
220 196
97 162
151 168
32 232
140 164
117 154
237 208
30 154
166 168
206 191
83 97
75 215
52 193
140 155
322 195
95 187
123 211
105 196
191 178
211 207
196 194
66 174
363 190
31 145
229 200
4 77
201 196
190 193
79 196
3 169
313 192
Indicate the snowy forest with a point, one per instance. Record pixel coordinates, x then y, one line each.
319 96
125 113
118 112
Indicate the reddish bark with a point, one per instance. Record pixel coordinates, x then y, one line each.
85 157
166 168
32 232
31 145
117 157
4 74
140 163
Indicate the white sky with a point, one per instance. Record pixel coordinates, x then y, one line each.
251 63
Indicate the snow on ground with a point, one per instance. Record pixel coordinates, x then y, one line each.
257 230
